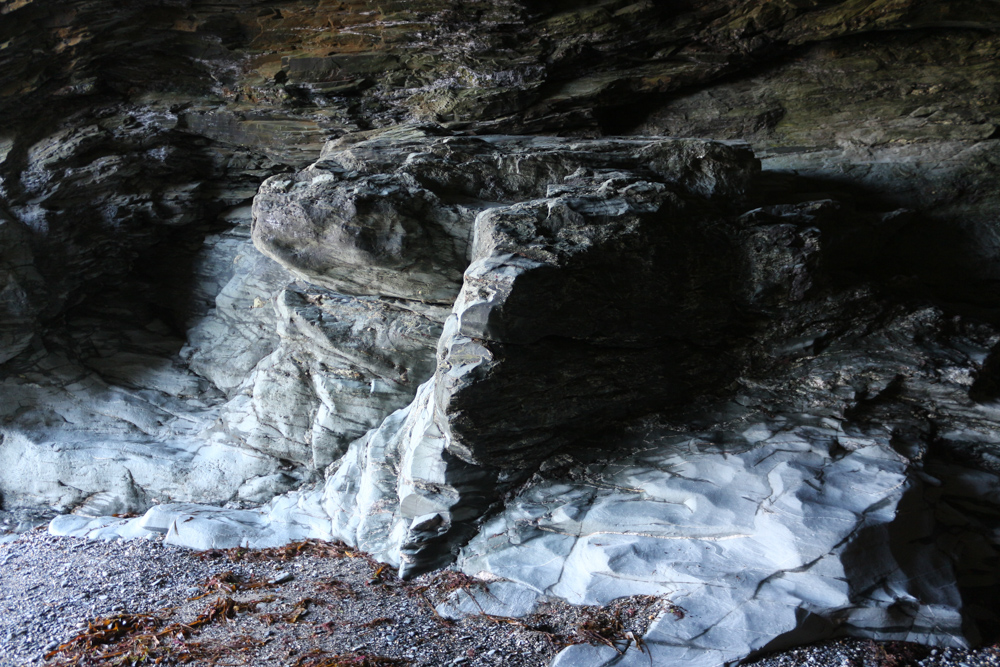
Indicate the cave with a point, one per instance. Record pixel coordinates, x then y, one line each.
584 299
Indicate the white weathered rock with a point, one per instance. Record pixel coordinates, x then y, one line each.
343 363
782 541
238 326
288 518
99 528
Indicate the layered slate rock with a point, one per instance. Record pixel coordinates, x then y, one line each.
581 252
641 387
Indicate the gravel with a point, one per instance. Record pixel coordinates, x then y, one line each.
866 653
52 586
316 605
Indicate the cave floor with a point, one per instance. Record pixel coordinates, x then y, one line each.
309 605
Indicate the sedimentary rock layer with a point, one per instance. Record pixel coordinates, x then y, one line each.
379 272
608 413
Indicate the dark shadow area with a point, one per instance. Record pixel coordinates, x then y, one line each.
927 572
623 119
986 387
908 255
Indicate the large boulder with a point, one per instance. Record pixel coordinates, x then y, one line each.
582 255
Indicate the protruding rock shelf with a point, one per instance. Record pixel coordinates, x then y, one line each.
768 539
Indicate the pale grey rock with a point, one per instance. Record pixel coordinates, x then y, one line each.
199 527
97 528
104 471
276 378
360 494
288 518
391 212
237 328
117 428
101 411
262 489
401 495
782 540
508 599
384 234
306 370
342 364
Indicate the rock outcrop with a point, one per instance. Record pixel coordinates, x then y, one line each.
427 277
608 413
538 348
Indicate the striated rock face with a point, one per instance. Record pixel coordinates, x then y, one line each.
609 413
428 277
516 379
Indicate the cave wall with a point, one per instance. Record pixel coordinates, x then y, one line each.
346 250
